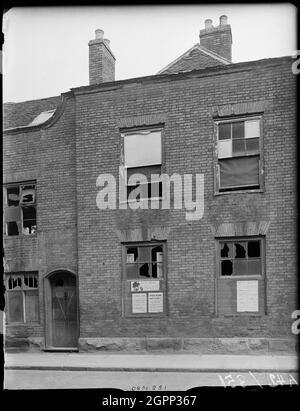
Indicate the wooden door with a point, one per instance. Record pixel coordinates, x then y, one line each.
64 310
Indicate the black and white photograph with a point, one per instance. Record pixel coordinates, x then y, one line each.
150 199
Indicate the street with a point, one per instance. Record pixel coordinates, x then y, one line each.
141 381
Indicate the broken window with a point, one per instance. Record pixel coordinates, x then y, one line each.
22 297
238 154
240 257
20 209
144 284
143 155
144 261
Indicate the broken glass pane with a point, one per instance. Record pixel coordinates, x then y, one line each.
132 254
14 282
29 227
240 250
226 250
12 228
157 254
253 249
28 194
226 267
238 130
224 131
157 270
240 267
13 197
254 267
144 270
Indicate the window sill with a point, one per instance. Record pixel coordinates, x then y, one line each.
29 323
143 200
21 236
257 190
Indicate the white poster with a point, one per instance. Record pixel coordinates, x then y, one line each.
139 303
155 302
247 296
144 286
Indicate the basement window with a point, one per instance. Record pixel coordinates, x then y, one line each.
241 275
143 156
239 163
20 209
22 297
144 279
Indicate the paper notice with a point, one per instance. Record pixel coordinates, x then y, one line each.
247 295
139 303
144 286
155 302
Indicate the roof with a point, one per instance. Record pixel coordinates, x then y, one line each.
194 59
30 112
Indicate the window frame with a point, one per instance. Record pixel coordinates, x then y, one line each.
134 130
22 206
219 279
163 287
218 190
23 290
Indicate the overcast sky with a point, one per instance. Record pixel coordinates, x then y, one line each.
46 49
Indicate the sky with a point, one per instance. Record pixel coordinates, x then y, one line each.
46 48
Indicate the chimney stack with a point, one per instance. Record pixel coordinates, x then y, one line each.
217 39
101 59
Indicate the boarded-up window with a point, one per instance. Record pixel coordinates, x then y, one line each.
143 155
144 279
240 281
22 297
20 209
239 154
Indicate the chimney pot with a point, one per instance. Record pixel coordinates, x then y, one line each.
99 34
208 24
223 20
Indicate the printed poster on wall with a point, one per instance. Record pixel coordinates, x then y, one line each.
144 285
139 303
155 302
247 296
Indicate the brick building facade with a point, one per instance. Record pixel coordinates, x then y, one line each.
82 277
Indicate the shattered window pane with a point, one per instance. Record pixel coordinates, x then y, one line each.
157 254
29 220
13 197
226 250
132 254
28 194
253 249
12 228
240 250
226 267
144 270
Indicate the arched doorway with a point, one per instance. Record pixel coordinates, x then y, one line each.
62 310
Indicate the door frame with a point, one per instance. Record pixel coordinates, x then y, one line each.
48 306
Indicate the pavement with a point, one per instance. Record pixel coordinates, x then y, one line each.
150 362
